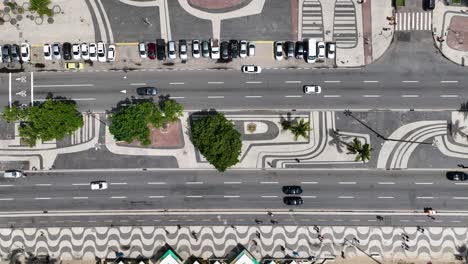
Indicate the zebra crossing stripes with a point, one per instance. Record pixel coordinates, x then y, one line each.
85 133
413 21
312 19
344 24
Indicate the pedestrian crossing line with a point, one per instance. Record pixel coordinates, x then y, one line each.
414 21
344 24
312 20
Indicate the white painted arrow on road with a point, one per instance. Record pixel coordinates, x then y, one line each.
124 91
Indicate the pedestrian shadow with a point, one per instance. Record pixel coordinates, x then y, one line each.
287 121
461 253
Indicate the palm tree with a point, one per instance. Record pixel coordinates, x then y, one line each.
362 151
300 129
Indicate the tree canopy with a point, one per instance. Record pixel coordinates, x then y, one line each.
300 129
363 152
52 119
217 140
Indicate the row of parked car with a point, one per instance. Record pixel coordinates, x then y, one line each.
15 53
208 49
92 51
310 50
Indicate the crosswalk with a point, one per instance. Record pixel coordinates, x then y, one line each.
85 133
345 25
312 20
413 21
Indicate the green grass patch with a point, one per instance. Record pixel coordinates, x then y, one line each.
456 2
400 2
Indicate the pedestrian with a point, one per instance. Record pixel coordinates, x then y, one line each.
357 240
342 254
297 160
317 229
420 229
233 227
320 238
179 227
270 214
282 248
380 218
274 222
258 234
254 242
258 221
295 254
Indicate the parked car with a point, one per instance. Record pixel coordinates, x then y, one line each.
161 49
92 51
293 189
13 174
76 51
56 52
293 200
205 49
234 48
6 53
278 50
289 49
74 66
25 51
196 48
101 51
457 175
251 69
299 50
183 49
47 51
84 51
67 51
312 89
171 50
428 4
143 91
251 49
111 52
214 48
243 48
321 50
142 50
311 54
15 52
98 185
225 50
151 51
331 49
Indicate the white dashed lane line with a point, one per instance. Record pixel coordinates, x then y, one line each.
253 82
6 185
383 183
215 82
231 196
309 182
118 197
423 183
215 97
370 81
174 83
6 199
332 95
345 197
293 96
308 196
156 196
371 95
194 196
176 97
232 182
347 183
194 182
80 198
118 183
269 196
292 82
449 96
460 198
269 182
80 184
156 183
448 81
137 84
42 198
253 96
385 197
410 81
410 96
43 184
424 197
332 81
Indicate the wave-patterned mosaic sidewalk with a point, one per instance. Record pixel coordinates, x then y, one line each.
278 242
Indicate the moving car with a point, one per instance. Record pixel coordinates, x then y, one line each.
15 53
331 49
76 51
243 48
147 91
214 47
56 54
25 51
225 50
13 174
234 48
457 175
293 200
98 185
292 189
101 51
299 50
312 89
161 49
289 49
67 51
142 50
6 53
171 50
278 48
251 69
321 50
205 46
183 49
111 52
47 50
84 51
151 51
196 48
251 49
311 54
92 52
74 66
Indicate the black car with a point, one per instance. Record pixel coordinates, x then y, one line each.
234 47
292 189
15 52
457 176
289 49
225 50
6 53
147 91
161 49
67 51
299 50
428 4
293 200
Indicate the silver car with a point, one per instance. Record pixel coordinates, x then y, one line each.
56 54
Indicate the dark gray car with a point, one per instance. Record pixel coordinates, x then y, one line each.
147 91
6 53
15 52
289 49
205 46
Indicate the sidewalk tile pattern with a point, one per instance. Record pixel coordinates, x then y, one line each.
312 20
411 21
345 31
85 133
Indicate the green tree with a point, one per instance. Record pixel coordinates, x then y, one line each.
52 119
362 152
41 7
300 129
217 139
172 110
131 123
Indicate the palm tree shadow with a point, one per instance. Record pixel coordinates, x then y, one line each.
461 253
464 109
288 121
337 139
456 128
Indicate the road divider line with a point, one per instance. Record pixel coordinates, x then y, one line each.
371 95
253 82
194 182
345 197
42 198
347 183
156 183
424 197
156 196
424 183
118 197
331 95
292 81
80 198
386 183
174 83
137 84
232 182
448 81
63 85
410 81
370 81
410 95
231 196
293 96
332 81
449 95
194 196
215 97
253 96
269 182
215 82
269 196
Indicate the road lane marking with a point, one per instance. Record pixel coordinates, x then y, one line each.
6 185
156 196
424 183
231 196
214 97
449 81
254 82
80 184
370 81
404 220
461 183
194 196
65 99
410 96
43 184
194 182
253 96
386 197
176 97
421 221
293 96
332 81
424 197
460 198
118 197
42 198
449 96
137 84
269 196
118 183
269 182
410 81
173 83
63 85
309 182
338 220
455 221
292 81
371 220
371 95
6 199
80 198
156 183
309 196
331 95
232 182
215 82
347 183
345 197
386 183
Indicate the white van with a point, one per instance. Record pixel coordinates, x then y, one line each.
311 51
12 174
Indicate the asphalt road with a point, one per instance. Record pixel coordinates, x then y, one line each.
174 197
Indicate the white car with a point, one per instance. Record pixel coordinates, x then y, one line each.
142 50
171 50
76 51
331 50
196 48
101 51
47 52
92 52
278 50
98 185
183 50
251 49
25 52
251 69
214 46
13 174
312 89
84 51
243 48
56 54
321 50
111 52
